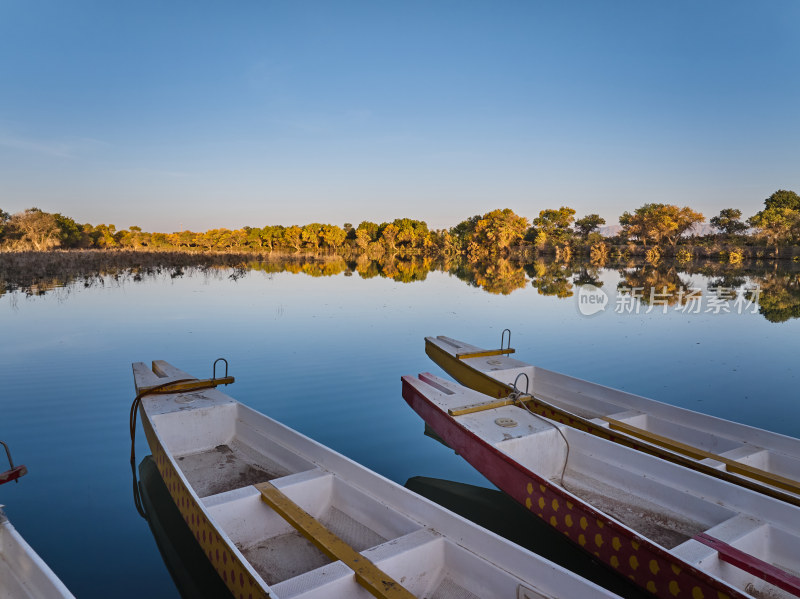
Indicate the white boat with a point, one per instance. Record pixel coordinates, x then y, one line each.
751 457
23 574
672 530
280 515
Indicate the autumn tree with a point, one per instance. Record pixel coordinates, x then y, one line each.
498 230
388 235
588 224
659 223
728 222
462 233
4 216
349 230
777 226
161 239
293 236
271 235
366 233
185 239
310 234
332 236
70 233
104 236
411 233
783 199
134 238
34 228
554 226
779 222
254 239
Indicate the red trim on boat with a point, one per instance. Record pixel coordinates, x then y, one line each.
13 474
427 378
751 564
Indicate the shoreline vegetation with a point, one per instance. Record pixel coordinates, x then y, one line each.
778 281
498 252
652 231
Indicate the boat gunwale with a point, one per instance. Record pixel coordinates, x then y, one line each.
40 567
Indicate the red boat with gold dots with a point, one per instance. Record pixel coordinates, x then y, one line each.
674 531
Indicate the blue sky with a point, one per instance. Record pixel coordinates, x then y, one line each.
199 114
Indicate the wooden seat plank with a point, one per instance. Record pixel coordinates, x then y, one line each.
758 474
368 575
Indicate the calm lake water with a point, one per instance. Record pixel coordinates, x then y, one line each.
324 355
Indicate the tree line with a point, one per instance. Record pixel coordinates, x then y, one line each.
496 233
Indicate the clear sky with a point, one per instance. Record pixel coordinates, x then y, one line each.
199 114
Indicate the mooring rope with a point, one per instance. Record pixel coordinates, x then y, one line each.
517 397
162 389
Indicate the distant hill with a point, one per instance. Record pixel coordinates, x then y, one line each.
610 230
702 229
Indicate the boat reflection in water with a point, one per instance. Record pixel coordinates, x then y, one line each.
193 574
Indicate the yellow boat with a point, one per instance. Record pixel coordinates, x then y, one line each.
753 458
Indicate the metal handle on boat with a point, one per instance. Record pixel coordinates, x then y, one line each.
14 472
8 453
517 392
503 338
214 372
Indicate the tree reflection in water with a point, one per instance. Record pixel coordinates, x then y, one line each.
651 282
551 278
662 282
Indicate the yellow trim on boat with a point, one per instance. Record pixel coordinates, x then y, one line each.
480 407
758 474
489 405
465 374
368 575
484 353
180 387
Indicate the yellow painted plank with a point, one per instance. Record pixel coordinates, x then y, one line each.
368 575
758 474
480 407
667 442
776 480
180 387
491 405
484 353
